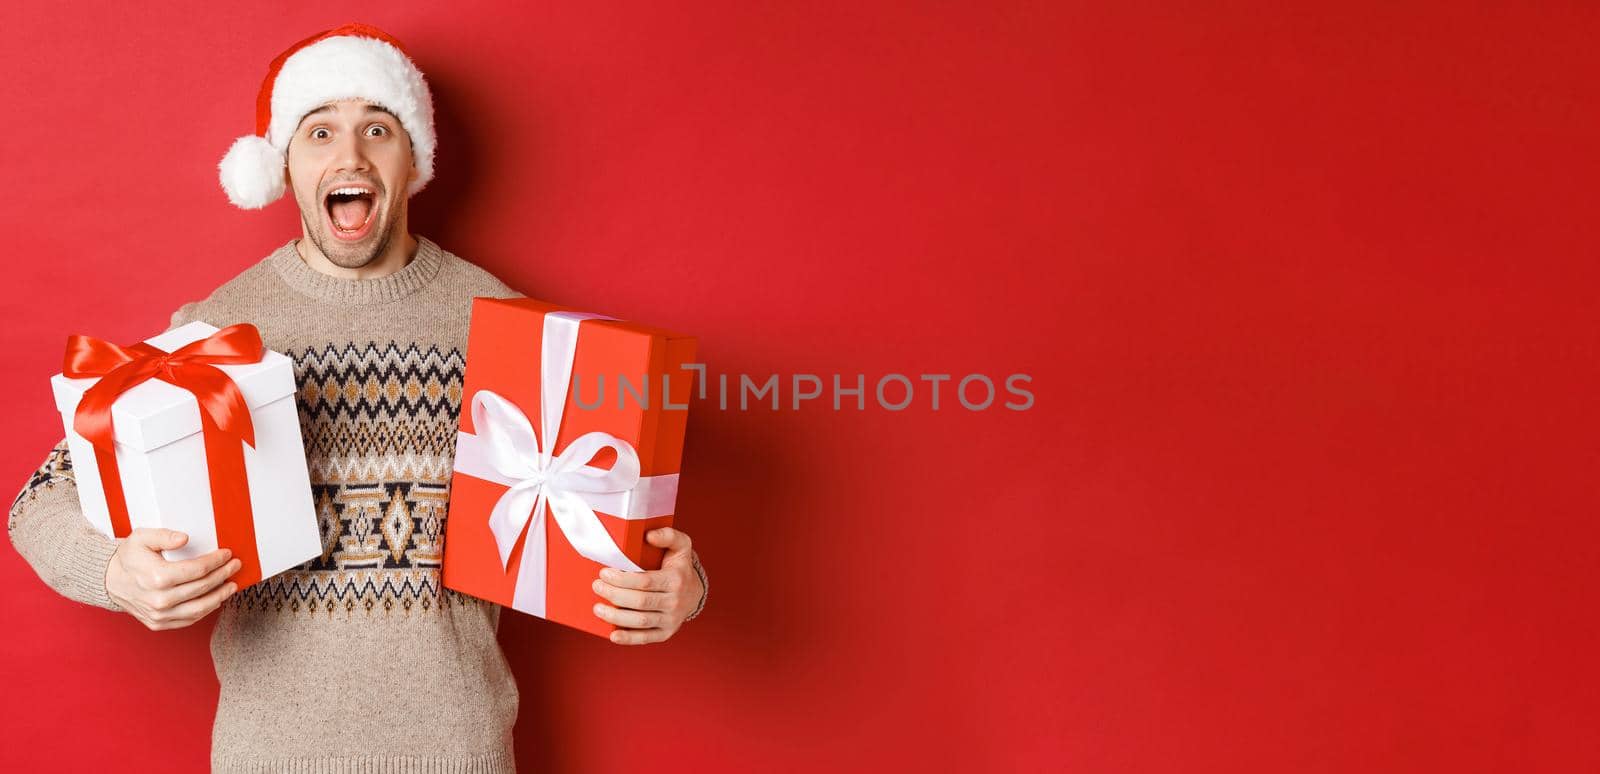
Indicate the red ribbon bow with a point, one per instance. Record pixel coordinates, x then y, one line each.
224 421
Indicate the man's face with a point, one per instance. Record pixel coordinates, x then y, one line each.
361 149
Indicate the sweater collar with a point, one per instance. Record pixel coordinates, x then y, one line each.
424 266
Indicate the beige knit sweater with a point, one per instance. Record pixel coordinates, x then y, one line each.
358 660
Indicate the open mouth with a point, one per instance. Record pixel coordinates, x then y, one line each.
351 209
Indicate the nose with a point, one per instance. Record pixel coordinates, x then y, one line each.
350 154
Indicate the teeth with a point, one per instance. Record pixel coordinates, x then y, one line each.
352 190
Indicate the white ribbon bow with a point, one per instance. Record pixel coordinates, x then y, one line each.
506 450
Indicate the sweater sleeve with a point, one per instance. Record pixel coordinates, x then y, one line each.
47 526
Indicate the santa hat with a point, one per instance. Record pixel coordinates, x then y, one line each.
355 61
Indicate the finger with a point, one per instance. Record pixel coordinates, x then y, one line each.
649 580
632 599
187 591
201 606
675 541
157 539
629 619
159 624
171 574
639 636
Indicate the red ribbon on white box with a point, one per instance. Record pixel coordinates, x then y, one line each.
505 450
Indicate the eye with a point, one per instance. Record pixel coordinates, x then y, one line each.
382 130
319 133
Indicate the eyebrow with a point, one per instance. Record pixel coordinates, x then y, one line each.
329 108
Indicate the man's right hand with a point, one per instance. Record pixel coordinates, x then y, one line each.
165 594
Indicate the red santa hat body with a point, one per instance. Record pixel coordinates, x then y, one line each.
355 61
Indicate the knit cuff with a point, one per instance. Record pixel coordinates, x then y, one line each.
705 586
74 555
86 568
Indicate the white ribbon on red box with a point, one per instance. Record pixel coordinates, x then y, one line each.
505 450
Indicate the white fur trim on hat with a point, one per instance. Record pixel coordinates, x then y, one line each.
332 69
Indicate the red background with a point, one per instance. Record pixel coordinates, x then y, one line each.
1307 295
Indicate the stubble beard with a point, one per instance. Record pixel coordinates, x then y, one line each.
349 256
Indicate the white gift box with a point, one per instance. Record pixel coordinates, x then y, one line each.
162 461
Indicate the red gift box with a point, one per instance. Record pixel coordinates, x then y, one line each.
531 523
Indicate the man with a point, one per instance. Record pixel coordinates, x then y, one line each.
359 659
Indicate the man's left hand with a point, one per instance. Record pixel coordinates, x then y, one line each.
651 605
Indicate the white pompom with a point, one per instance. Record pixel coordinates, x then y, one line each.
252 172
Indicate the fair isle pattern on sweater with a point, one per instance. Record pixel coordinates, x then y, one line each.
56 468
379 425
